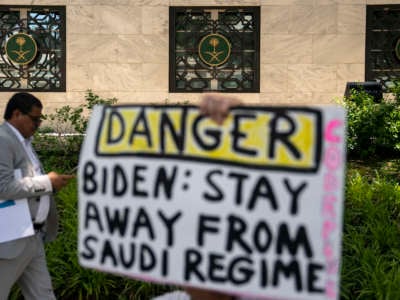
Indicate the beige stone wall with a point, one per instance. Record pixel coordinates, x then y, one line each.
119 48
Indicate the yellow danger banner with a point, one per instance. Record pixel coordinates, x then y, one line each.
261 137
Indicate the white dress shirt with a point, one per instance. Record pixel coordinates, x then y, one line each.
44 204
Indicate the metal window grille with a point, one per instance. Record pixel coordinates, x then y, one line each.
32 28
214 49
382 49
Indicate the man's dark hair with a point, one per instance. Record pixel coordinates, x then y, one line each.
23 102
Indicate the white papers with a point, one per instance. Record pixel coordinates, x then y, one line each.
15 218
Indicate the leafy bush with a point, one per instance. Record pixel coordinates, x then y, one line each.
371 238
373 128
59 152
59 142
73 282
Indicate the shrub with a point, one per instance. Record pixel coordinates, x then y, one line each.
371 239
59 142
73 282
371 236
60 152
373 128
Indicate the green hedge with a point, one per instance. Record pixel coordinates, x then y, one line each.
370 254
373 128
371 237
70 280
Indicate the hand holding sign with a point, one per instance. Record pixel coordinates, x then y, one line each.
217 106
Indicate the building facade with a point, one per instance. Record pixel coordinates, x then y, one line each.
309 50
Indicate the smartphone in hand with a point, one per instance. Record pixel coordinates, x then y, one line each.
72 171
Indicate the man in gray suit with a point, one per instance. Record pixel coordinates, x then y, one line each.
23 260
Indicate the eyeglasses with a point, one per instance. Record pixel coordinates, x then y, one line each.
35 119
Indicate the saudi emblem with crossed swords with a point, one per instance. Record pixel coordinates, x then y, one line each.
214 49
21 48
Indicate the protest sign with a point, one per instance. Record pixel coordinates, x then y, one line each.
252 207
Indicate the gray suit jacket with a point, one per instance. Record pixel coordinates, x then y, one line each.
13 156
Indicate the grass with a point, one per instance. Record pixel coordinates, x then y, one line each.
70 280
371 234
371 243
370 251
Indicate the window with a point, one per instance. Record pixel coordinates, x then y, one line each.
382 50
214 49
32 53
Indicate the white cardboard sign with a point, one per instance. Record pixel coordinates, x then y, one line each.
252 207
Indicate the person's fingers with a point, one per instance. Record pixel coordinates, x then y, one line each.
207 105
204 103
66 178
217 106
59 180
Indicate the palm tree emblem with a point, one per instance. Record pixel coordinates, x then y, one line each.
214 53
214 49
21 48
20 41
